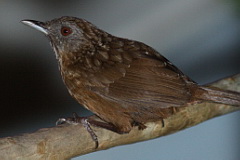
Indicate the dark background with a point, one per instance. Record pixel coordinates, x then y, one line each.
201 37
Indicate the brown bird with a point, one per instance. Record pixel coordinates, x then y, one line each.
124 82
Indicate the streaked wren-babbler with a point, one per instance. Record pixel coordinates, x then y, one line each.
124 82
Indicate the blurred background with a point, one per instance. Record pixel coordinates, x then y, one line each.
201 37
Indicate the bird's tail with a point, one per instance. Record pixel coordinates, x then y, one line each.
217 95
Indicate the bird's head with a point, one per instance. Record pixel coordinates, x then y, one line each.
69 34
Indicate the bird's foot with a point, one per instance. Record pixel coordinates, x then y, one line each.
87 121
82 120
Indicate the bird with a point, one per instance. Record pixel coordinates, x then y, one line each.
124 82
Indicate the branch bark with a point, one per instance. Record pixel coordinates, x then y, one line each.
66 141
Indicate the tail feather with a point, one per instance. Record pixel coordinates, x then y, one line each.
219 96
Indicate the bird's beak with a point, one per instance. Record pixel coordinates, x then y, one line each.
41 26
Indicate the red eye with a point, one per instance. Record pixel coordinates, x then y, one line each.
65 31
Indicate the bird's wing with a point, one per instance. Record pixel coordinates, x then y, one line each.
149 82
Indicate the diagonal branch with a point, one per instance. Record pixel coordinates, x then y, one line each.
67 141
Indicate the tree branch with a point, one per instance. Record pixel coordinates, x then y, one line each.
66 141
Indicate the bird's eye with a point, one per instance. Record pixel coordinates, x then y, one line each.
65 31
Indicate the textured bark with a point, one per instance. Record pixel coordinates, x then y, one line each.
66 141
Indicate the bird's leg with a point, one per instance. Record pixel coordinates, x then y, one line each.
104 125
86 122
82 120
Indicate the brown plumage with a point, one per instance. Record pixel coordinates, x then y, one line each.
124 82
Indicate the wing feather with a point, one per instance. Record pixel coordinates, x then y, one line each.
148 83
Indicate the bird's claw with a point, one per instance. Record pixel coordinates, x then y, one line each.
82 120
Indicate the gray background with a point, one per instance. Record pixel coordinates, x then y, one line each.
201 37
